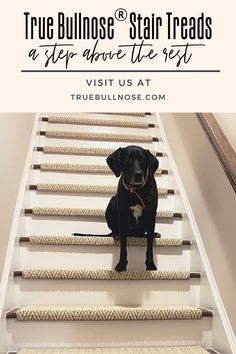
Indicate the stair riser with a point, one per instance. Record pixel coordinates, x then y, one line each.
88 257
87 200
94 292
112 333
68 225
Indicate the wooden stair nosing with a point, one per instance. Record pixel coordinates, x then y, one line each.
23 239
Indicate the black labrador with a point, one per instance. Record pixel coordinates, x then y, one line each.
132 211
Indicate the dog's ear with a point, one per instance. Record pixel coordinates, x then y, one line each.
153 163
113 161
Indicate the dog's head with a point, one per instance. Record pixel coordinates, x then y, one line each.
134 163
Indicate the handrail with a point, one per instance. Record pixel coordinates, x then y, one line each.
220 144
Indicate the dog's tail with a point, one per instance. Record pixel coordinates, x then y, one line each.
156 235
94 235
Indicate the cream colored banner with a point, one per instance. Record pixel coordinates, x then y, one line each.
62 74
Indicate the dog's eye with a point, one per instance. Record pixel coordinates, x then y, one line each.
142 158
127 159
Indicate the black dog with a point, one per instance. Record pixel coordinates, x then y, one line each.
132 211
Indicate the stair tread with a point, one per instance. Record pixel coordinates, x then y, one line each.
99 312
85 188
97 122
66 134
129 350
100 274
99 241
107 313
88 212
74 150
83 168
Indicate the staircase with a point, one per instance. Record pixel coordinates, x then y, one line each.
63 295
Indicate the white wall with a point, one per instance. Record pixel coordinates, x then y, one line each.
227 122
211 197
15 134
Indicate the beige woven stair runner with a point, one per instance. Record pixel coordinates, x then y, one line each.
107 313
120 350
102 274
100 241
80 150
80 168
83 188
98 136
162 214
98 122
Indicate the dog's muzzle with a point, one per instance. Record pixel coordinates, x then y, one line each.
137 179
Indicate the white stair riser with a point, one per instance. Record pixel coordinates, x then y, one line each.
68 225
95 292
110 333
100 201
88 257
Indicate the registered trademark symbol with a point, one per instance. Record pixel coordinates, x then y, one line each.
121 14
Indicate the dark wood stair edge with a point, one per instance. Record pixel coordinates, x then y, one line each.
11 313
40 148
43 132
19 273
35 187
177 215
27 239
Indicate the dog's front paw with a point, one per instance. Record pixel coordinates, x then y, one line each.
150 265
116 237
121 266
157 235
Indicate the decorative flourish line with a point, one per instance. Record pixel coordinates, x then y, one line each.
120 71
